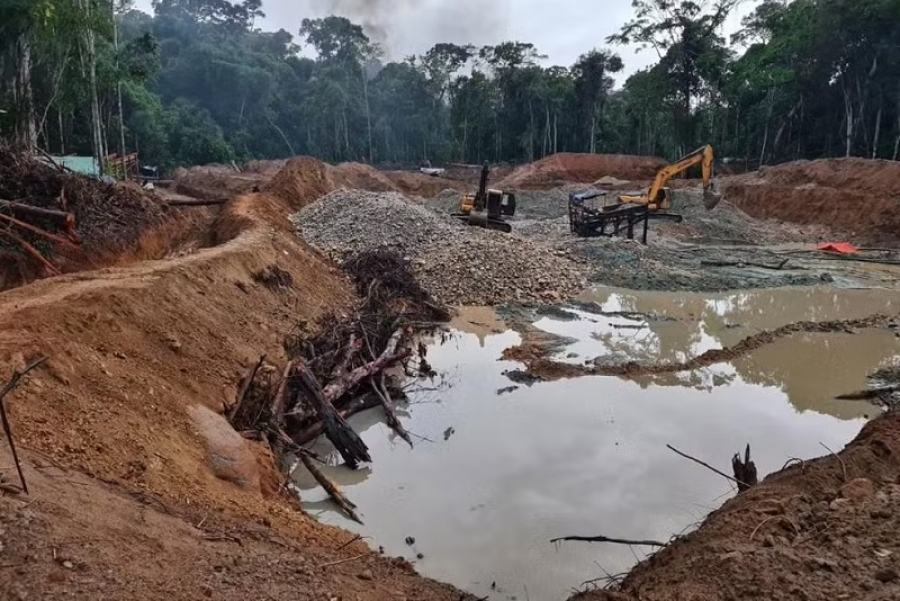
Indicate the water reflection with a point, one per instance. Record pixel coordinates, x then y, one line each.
493 477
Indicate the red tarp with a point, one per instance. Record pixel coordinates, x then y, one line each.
838 247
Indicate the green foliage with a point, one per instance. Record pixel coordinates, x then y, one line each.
200 82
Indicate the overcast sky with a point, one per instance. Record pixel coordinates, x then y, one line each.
561 29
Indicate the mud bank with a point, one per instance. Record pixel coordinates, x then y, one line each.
133 352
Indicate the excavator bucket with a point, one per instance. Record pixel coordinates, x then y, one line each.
711 199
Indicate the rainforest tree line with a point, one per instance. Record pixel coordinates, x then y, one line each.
198 81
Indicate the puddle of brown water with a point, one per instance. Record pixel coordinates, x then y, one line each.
494 477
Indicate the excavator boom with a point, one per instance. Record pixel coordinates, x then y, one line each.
658 199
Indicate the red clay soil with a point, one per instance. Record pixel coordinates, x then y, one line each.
413 183
567 168
859 197
824 529
134 354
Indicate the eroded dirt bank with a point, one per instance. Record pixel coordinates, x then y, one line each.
122 478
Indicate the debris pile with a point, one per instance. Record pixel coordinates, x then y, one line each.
44 208
457 264
342 370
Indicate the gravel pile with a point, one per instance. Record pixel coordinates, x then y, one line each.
457 264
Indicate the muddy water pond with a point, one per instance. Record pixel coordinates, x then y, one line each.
499 469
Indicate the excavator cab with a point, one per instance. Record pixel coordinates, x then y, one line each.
487 208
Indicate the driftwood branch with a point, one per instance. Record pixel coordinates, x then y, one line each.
606 539
392 421
865 395
11 385
279 400
245 387
708 466
330 487
32 251
388 358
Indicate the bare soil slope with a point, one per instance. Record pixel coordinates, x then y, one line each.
134 352
566 168
859 197
76 537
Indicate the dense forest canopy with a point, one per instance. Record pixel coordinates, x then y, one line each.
199 82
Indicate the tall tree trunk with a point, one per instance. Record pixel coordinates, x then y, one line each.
96 117
26 130
119 94
877 137
762 153
62 134
897 139
531 131
368 111
848 112
555 132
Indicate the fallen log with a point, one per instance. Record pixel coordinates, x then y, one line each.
384 398
72 241
330 487
22 211
356 405
388 358
33 252
345 440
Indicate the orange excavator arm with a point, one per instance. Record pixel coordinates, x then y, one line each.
702 156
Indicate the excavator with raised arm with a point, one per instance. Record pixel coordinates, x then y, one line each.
659 198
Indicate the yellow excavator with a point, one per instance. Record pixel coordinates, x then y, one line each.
659 198
487 207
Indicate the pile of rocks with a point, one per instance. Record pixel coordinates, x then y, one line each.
457 264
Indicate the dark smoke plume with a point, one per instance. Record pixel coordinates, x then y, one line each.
404 26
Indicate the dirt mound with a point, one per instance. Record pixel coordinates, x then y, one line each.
214 182
425 186
857 197
305 179
301 181
568 168
358 176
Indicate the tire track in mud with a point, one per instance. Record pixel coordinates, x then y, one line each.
536 346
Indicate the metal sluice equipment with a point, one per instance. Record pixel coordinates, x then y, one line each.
609 220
